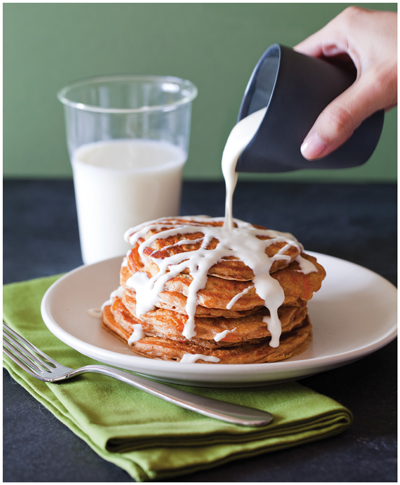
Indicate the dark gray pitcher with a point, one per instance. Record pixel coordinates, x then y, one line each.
296 88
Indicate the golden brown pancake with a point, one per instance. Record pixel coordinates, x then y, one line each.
229 268
218 292
175 301
291 344
170 324
109 324
235 335
170 300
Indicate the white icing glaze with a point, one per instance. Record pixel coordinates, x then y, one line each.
236 297
306 266
116 293
240 242
238 139
221 335
192 358
95 312
274 326
137 335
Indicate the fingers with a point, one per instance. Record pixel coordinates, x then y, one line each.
329 41
341 117
312 46
369 39
334 38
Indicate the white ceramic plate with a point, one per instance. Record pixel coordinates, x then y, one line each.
353 315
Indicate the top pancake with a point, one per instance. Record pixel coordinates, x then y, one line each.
229 267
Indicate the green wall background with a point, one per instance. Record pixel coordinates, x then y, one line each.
216 46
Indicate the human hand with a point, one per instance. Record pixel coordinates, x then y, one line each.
369 39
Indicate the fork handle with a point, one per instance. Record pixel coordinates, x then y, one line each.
224 411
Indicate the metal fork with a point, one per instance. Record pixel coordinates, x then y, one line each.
43 367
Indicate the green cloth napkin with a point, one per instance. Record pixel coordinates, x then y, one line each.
146 436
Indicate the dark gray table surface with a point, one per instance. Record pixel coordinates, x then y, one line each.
355 222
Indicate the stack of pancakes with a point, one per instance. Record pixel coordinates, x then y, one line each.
235 335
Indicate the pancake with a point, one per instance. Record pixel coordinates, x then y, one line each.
292 343
170 300
170 324
227 268
218 292
117 330
209 293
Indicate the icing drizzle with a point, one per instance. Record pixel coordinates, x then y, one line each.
137 334
192 358
241 242
221 335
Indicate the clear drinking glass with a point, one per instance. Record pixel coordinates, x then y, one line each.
128 139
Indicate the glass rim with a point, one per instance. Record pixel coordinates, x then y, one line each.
62 95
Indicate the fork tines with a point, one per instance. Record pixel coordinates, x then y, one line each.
25 354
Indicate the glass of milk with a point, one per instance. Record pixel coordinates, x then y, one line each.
128 139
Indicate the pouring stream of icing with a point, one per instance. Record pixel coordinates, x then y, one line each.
239 138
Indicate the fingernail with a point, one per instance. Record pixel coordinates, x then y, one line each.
313 146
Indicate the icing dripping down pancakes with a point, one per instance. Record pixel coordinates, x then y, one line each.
191 286
212 243
214 290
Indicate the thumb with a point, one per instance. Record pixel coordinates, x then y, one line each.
340 118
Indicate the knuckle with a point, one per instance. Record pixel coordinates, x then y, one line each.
380 81
339 120
350 15
380 86
352 12
384 78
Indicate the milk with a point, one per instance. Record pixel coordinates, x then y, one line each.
122 183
